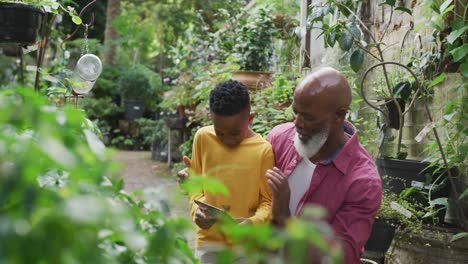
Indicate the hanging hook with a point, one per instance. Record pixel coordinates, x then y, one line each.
91 22
86 25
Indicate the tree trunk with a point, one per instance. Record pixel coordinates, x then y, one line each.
110 35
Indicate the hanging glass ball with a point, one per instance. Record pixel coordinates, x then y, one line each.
87 70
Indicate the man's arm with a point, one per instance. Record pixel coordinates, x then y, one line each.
354 219
263 213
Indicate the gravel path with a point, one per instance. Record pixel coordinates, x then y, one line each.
140 172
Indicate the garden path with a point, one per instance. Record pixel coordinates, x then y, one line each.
140 171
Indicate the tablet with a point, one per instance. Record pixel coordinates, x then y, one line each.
214 211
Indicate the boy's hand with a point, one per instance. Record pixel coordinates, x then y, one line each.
281 194
183 174
203 219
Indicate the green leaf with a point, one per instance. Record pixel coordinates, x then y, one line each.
76 20
458 236
460 52
331 37
402 155
454 35
465 193
444 5
439 201
408 191
442 15
346 41
404 9
318 13
437 80
464 69
354 30
388 2
356 60
463 149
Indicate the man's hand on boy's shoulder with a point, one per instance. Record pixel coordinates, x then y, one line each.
182 175
203 219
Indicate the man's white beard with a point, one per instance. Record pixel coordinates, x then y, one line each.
312 146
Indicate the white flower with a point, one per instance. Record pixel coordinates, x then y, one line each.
50 5
46 8
59 18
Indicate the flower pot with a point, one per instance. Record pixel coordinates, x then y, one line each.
381 236
134 109
19 23
253 80
393 115
425 247
410 173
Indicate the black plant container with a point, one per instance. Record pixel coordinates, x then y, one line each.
134 109
407 173
393 115
381 236
19 23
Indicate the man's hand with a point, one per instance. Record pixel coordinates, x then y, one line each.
183 174
281 194
203 219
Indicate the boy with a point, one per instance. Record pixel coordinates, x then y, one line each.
233 154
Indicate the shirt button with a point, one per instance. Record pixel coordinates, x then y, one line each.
294 161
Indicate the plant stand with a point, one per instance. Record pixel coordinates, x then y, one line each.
177 134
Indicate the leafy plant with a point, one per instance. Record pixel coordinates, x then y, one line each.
269 104
140 83
53 182
154 131
253 47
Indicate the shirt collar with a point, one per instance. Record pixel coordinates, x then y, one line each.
342 157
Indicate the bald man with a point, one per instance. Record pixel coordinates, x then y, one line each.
319 161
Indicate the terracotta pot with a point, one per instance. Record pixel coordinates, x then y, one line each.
427 247
253 80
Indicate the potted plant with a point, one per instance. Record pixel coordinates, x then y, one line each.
182 96
253 48
136 90
394 211
429 185
20 20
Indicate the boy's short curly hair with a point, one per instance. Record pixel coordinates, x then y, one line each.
229 98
